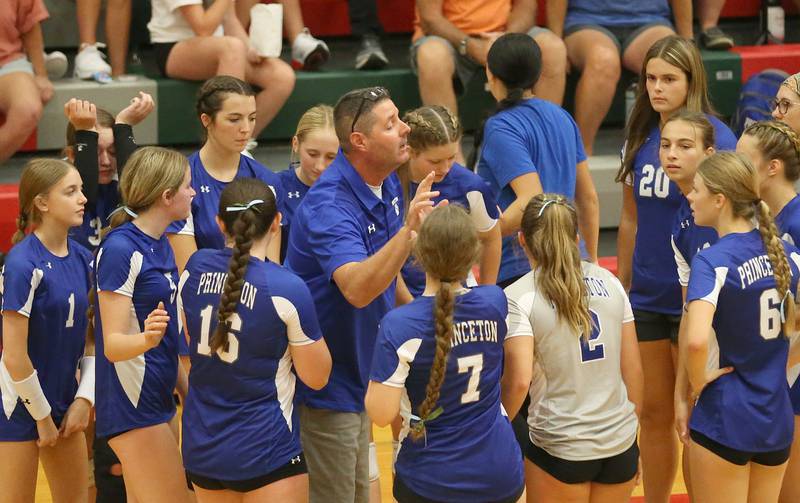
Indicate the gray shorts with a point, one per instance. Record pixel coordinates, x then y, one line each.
622 36
466 68
18 65
336 447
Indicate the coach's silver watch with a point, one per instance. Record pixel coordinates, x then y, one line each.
462 46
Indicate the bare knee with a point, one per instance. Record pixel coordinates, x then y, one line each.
232 50
24 115
435 60
554 54
603 66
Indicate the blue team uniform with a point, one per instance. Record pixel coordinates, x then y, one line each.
294 190
469 452
534 136
239 422
689 238
654 282
95 217
202 222
748 409
52 292
343 221
463 187
138 392
788 224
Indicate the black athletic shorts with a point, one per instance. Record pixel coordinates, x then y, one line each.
652 326
614 470
403 494
296 466
162 51
741 458
110 487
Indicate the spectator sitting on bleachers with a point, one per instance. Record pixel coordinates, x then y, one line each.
308 52
90 62
453 37
195 43
711 36
24 86
602 36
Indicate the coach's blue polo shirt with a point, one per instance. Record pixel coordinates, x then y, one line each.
341 220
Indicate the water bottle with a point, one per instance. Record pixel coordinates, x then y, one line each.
776 23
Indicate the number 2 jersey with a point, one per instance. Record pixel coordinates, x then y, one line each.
748 409
137 392
52 293
583 412
239 422
469 452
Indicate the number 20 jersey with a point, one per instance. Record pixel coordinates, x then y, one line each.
581 412
748 409
469 452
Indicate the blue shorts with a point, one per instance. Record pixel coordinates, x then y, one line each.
17 65
22 427
622 36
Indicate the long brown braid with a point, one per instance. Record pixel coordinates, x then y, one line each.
245 221
732 175
447 246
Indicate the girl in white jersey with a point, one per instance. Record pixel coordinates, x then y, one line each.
583 420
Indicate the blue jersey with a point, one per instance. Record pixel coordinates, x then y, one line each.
239 422
654 280
95 218
748 409
616 13
688 238
341 220
202 222
52 292
534 136
463 187
469 452
138 392
294 190
788 223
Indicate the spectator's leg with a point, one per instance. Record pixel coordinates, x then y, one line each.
276 80
292 19
90 61
88 14
596 56
554 67
435 69
364 17
118 29
201 58
22 106
243 11
711 36
633 56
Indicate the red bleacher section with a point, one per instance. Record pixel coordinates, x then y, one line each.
9 209
761 57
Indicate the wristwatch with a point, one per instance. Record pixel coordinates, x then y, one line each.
462 46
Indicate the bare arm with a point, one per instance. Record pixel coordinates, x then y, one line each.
524 187
382 402
433 22
556 13
34 49
312 362
205 21
118 343
183 247
587 205
700 316
15 345
522 16
401 295
626 237
517 373
682 13
631 366
492 245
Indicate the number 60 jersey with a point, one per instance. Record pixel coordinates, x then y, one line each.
469 452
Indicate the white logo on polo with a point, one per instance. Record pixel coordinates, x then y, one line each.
49 265
294 195
205 189
295 460
396 207
371 228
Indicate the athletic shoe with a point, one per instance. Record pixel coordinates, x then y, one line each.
714 39
371 56
90 62
308 52
56 64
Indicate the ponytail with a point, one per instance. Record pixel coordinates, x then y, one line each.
22 226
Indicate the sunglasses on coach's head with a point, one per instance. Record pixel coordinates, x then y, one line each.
781 105
369 94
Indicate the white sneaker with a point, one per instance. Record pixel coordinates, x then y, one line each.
308 52
90 62
251 145
56 64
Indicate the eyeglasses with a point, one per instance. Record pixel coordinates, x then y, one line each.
370 94
782 105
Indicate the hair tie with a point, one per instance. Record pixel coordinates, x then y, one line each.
783 306
545 205
757 201
124 208
245 206
419 422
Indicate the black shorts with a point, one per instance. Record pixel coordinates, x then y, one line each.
614 470
652 326
296 466
741 458
110 487
622 36
403 494
162 51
